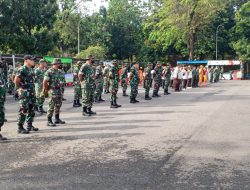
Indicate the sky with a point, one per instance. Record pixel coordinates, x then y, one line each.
93 5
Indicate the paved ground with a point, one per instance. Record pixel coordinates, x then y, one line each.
196 139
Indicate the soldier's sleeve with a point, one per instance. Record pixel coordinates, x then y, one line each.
19 72
47 76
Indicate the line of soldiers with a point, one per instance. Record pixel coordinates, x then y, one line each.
34 85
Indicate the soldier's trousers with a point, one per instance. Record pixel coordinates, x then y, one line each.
11 87
157 85
124 85
2 100
134 90
114 90
77 92
106 83
166 85
147 86
55 104
87 95
39 95
27 102
99 89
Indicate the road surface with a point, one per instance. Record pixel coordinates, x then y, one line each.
195 139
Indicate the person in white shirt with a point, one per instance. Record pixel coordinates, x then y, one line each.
190 76
185 77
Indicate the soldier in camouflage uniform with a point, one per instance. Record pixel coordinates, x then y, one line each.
134 82
167 74
157 79
11 85
39 75
77 85
19 65
147 80
52 87
62 80
2 100
87 77
99 83
124 79
106 84
24 81
114 83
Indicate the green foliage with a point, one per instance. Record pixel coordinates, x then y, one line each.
97 51
242 31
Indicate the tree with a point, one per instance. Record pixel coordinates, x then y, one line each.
97 52
178 22
242 31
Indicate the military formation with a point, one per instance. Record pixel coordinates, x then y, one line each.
30 85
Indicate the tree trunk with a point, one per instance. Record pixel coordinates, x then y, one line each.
191 40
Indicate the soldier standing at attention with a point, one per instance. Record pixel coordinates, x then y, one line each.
39 75
62 80
124 79
157 79
24 81
13 78
106 79
77 85
11 85
167 75
99 83
2 100
147 80
86 76
134 82
52 87
114 83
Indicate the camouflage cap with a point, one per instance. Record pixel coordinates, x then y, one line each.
29 57
42 61
90 57
56 61
114 61
79 63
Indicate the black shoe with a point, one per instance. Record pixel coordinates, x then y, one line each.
21 130
136 101
91 112
112 105
78 103
166 93
63 99
156 95
148 98
85 112
101 100
97 100
5 120
58 120
41 110
50 122
115 103
75 104
2 138
32 128
124 94
132 100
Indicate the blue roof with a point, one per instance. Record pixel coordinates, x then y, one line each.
192 62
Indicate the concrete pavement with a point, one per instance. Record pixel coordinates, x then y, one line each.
195 139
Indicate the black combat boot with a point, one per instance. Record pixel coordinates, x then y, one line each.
136 101
50 122
5 120
147 97
132 100
41 110
112 105
85 112
36 108
124 94
97 100
115 103
90 111
30 127
76 104
58 120
101 100
21 130
63 99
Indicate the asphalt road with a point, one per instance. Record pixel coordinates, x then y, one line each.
195 139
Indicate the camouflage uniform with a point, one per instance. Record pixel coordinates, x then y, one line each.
2 100
134 82
27 99
62 81
77 85
106 84
147 81
87 86
11 85
99 83
167 75
114 83
39 75
13 76
124 80
157 80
